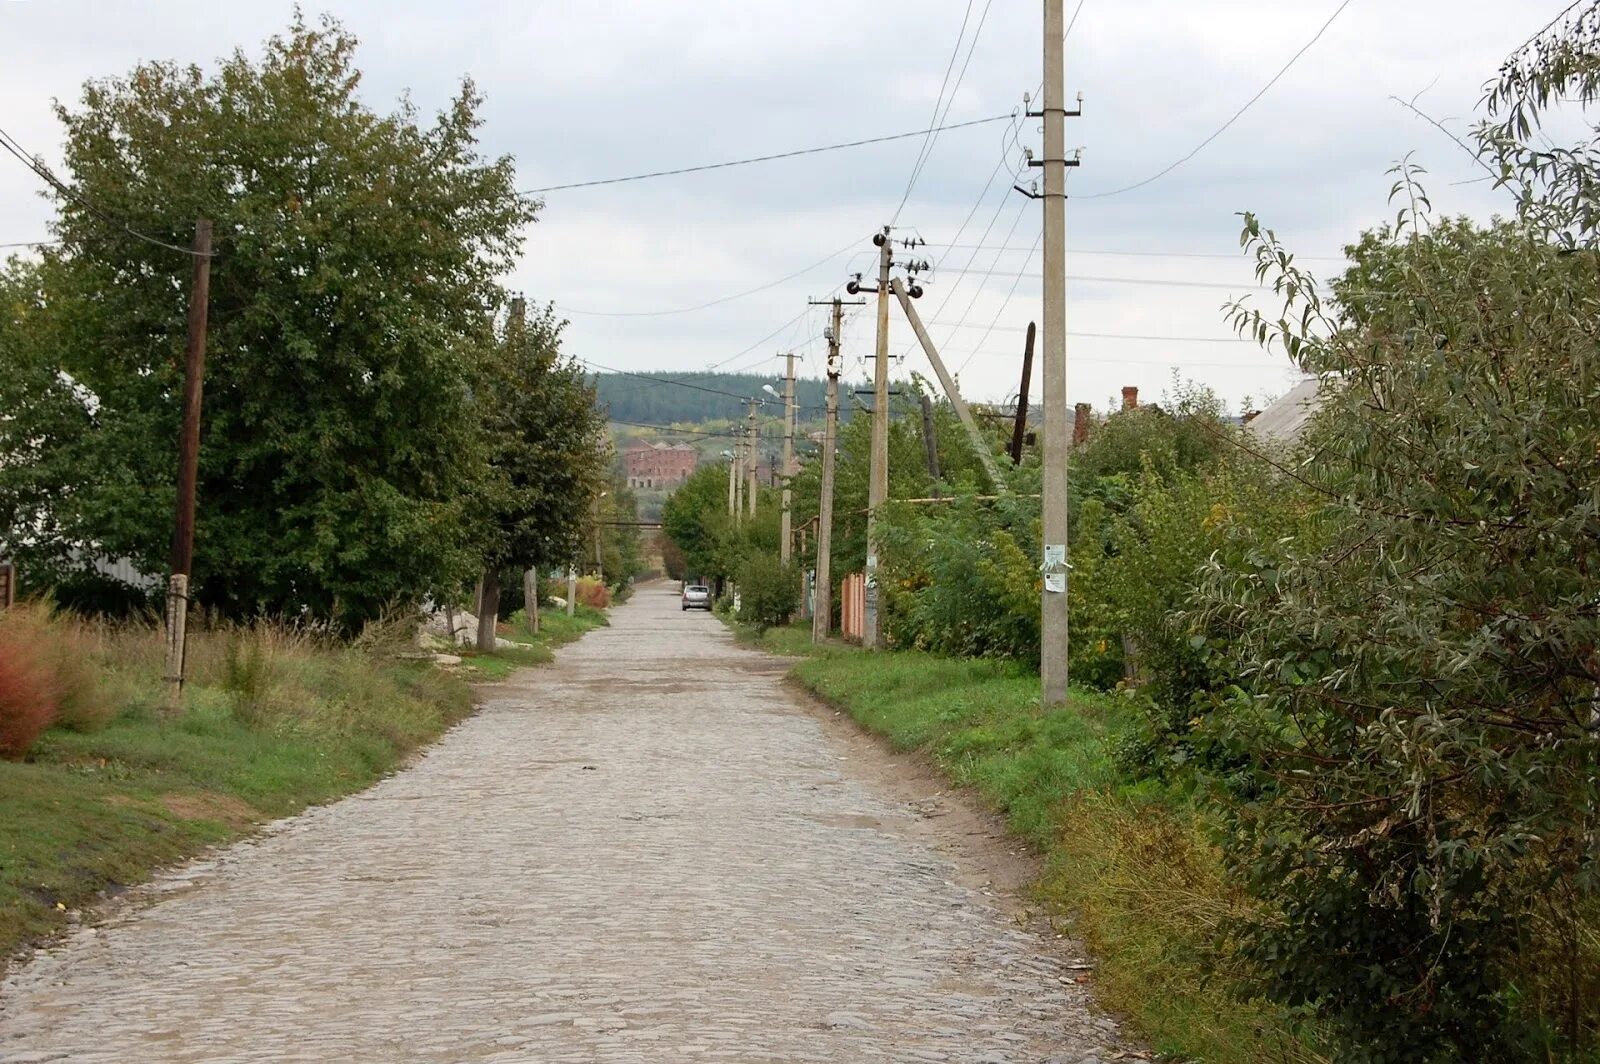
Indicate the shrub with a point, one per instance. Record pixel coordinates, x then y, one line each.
593 593
769 591
29 694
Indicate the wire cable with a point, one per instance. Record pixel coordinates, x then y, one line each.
12 145
712 303
1236 115
938 117
761 158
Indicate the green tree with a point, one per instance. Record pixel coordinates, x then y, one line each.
355 253
1419 676
545 436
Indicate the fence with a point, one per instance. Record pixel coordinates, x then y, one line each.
853 606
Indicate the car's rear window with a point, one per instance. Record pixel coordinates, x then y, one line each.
697 587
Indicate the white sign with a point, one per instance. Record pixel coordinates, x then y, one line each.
1055 558
1056 583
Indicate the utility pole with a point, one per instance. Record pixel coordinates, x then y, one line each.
739 447
1021 428
188 459
572 588
787 545
1053 564
733 479
822 615
980 446
930 443
878 477
752 466
599 560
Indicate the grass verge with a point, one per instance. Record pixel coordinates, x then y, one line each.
555 629
1129 868
272 720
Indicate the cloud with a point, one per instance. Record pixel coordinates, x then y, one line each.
603 88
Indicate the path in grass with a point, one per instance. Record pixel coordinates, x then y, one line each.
651 853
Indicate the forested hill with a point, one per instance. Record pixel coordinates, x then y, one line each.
656 403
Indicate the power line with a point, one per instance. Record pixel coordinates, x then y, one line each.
1146 254
664 380
916 167
1159 282
938 118
758 343
763 158
14 146
30 244
1108 335
1236 115
712 303
1005 303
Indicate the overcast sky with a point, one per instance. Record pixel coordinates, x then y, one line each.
602 88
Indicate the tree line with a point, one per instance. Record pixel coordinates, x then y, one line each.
383 421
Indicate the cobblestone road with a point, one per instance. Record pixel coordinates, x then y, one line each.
648 852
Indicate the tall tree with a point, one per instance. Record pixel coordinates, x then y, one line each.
355 253
547 456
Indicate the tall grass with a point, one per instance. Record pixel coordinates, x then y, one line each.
272 718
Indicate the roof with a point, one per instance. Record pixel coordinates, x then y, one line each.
1284 419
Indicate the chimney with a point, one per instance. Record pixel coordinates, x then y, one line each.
1130 397
1080 424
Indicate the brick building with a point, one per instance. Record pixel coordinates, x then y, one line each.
658 465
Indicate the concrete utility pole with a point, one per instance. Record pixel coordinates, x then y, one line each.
980 446
599 559
739 446
188 460
878 478
1021 428
733 479
787 544
1053 564
572 588
822 616
752 467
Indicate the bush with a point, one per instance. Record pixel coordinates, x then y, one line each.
593 593
769 592
30 696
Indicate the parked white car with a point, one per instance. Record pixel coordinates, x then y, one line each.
696 597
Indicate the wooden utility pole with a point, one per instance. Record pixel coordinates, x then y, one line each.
786 545
980 446
878 478
930 442
822 615
1053 564
1021 428
188 459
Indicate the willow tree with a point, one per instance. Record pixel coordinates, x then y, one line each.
1421 671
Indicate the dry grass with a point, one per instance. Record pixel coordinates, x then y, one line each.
273 718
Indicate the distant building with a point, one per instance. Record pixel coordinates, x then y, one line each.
1285 418
659 465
